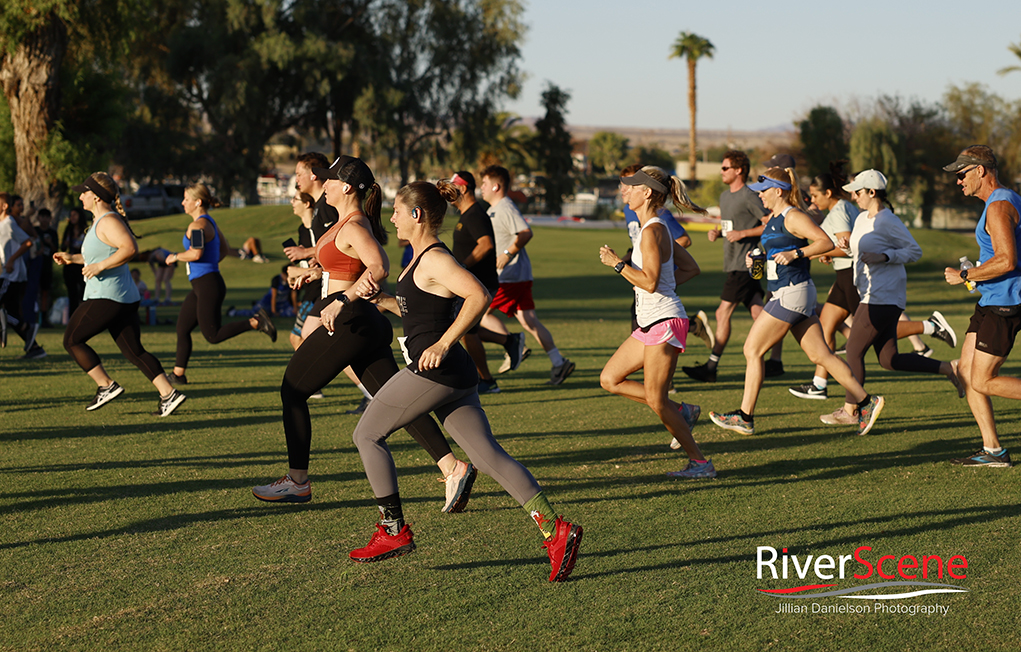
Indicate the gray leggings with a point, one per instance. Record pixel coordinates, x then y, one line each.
407 396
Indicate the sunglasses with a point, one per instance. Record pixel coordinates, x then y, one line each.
964 173
725 168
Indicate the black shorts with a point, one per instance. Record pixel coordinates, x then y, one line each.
995 328
844 293
740 287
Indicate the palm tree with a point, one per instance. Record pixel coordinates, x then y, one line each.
1016 49
691 47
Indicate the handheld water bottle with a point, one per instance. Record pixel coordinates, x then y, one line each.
967 264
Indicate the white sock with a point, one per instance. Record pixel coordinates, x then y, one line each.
992 451
928 327
555 357
819 382
365 392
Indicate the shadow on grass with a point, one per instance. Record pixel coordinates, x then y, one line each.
887 526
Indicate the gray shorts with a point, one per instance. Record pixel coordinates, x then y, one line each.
794 303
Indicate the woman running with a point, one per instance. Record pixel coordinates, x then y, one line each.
828 194
353 333
71 243
786 239
880 246
111 298
440 377
205 246
662 322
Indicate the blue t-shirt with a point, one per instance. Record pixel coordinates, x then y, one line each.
633 227
1004 290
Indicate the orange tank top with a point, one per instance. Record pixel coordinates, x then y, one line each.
340 266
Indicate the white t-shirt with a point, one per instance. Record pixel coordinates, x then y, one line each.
11 239
507 223
883 284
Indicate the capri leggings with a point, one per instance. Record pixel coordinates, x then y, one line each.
876 326
362 340
202 308
407 396
97 315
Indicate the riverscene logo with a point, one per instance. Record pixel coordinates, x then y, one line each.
903 574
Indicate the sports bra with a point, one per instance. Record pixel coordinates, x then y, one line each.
339 265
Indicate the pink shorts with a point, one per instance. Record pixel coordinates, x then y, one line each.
672 331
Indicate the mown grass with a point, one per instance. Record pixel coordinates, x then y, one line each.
121 531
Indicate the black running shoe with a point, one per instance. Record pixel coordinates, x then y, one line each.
265 324
559 374
361 407
174 379
169 404
104 395
774 368
943 331
515 347
701 373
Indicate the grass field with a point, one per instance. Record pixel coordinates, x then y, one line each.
121 531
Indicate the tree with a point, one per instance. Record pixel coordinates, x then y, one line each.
552 148
607 150
977 116
652 155
875 145
434 63
486 138
823 139
691 47
1015 49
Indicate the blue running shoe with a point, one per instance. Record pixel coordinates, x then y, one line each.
982 457
690 413
695 470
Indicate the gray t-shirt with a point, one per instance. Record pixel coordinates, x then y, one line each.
840 219
507 223
744 211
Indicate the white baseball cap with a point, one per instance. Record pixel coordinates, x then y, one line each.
871 179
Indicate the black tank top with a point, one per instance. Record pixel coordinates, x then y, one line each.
426 317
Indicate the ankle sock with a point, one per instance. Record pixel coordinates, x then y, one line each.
865 401
541 512
747 417
992 451
365 392
555 357
391 514
714 360
928 327
820 382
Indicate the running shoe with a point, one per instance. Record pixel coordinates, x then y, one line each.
167 405
33 330
733 421
839 418
35 353
774 368
982 457
104 395
699 327
955 379
810 391
559 374
562 548
943 331
259 258
695 470
318 395
383 546
925 352
361 407
841 351
867 415
459 487
284 490
702 373
488 387
690 413
174 379
515 348
265 324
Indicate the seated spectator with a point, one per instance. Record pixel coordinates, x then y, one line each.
252 248
280 301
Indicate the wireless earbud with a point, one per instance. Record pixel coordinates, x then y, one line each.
495 188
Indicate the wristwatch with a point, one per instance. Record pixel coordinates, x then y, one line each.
343 299
506 252
619 267
798 253
964 275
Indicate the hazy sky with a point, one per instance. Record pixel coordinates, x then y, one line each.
773 61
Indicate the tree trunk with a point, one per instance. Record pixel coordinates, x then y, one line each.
30 78
692 158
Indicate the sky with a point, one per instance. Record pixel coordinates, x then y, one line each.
773 61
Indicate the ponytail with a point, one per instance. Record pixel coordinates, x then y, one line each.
679 195
373 207
794 197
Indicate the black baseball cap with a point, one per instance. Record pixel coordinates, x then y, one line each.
781 161
90 183
349 170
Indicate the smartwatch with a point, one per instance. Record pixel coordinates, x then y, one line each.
619 267
343 299
964 275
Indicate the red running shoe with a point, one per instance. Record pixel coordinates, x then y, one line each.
563 549
383 546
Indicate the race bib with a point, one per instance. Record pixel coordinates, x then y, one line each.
726 226
324 291
404 349
771 270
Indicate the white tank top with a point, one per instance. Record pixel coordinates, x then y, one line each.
651 307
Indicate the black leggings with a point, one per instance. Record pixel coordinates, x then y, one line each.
74 282
362 340
12 296
876 326
97 315
202 308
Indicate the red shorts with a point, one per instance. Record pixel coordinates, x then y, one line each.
512 297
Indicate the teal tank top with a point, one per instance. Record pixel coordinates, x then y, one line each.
114 284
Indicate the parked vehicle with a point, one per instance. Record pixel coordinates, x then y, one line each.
154 199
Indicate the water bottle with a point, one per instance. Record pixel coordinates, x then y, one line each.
758 263
967 264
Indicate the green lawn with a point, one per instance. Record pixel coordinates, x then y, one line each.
121 531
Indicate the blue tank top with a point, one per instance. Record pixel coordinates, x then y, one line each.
1005 290
776 238
209 262
114 284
